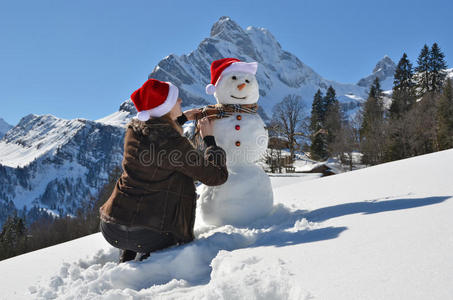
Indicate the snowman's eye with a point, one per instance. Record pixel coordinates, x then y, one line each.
234 78
248 81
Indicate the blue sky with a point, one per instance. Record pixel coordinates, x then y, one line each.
84 58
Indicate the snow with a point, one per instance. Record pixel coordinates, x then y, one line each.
354 97
450 73
245 196
35 136
119 118
383 232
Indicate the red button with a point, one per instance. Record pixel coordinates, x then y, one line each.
238 143
238 117
237 127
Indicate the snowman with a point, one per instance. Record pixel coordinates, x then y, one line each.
247 194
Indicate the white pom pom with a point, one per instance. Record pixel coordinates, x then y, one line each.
210 89
143 115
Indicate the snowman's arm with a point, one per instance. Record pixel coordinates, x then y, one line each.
209 168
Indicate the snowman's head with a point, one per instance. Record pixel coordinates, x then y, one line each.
233 81
237 88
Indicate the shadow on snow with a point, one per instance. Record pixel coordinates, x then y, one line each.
192 262
371 207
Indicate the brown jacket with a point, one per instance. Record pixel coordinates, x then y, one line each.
156 189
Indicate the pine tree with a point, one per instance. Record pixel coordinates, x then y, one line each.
423 71
317 112
13 237
372 129
403 96
437 66
445 117
318 140
333 119
330 98
375 90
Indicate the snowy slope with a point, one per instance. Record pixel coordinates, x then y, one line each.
383 232
4 127
55 164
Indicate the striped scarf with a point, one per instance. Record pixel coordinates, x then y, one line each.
219 111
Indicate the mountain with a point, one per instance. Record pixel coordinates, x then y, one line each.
357 235
51 165
280 73
384 70
4 127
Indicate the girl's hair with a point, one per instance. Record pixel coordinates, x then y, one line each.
173 123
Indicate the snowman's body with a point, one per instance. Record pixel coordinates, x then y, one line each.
247 194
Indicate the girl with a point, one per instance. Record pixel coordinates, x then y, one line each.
152 206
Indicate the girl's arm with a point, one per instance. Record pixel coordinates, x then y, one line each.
209 168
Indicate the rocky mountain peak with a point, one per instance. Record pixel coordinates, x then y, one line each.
384 71
224 28
386 64
280 73
128 106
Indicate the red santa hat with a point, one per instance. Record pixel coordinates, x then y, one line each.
154 99
228 65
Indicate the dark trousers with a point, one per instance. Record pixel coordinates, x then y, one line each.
137 239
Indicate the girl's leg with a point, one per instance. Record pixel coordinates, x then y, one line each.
147 241
143 256
118 238
135 240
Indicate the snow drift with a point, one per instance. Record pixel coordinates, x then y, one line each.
383 232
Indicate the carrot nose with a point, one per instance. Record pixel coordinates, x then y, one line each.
241 86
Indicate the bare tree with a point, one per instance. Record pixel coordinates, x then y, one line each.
273 158
289 120
347 139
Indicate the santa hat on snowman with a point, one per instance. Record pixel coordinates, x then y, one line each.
154 99
224 66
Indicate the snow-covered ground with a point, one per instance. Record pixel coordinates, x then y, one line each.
384 232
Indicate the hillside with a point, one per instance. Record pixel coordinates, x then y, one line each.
52 165
383 232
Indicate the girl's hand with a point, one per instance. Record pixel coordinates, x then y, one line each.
190 114
205 127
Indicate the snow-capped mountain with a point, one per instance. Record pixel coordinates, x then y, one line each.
56 164
280 73
384 70
4 127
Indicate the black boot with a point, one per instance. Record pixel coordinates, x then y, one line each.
127 255
143 256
